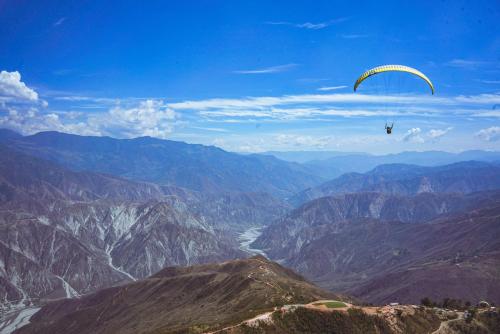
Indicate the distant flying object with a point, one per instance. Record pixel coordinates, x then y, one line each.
389 128
386 83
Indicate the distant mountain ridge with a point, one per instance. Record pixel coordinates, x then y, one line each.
166 162
332 164
426 158
308 156
402 179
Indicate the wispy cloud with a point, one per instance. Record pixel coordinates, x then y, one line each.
354 36
413 136
311 80
493 82
59 22
297 113
468 63
209 129
309 25
273 101
331 88
272 69
438 133
489 134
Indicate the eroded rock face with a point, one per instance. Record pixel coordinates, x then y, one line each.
285 237
66 233
90 246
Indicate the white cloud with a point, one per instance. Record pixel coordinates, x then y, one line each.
268 101
295 113
20 106
290 107
354 36
331 88
494 82
413 135
145 118
494 113
13 89
272 69
490 99
148 118
468 63
260 105
59 21
489 134
309 25
206 128
438 133
29 120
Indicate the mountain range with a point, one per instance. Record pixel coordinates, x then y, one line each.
383 248
461 177
125 226
66 233
166 162
331 164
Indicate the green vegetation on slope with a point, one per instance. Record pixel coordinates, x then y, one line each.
354 321
332 304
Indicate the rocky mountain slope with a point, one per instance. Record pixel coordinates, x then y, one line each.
462 177
191 299
236 297
285 237
66 233
383 248
165 162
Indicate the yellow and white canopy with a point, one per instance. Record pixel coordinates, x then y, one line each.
393 68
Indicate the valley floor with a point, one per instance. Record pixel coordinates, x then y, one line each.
247 237
16 319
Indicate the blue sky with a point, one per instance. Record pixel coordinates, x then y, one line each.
254 76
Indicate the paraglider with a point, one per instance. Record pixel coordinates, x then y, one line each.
392 68
389 128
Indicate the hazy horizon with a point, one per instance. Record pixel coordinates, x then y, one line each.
343 153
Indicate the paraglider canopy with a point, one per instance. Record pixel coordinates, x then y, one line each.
393 68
